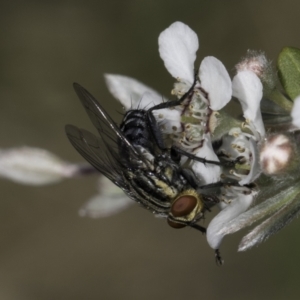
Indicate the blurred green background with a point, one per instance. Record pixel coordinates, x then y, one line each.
46 250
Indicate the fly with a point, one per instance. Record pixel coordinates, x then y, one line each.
134 157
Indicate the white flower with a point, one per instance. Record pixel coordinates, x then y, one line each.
178 45
34 166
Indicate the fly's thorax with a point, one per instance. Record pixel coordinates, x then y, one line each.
186 208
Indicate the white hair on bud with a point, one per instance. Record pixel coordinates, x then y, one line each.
275 154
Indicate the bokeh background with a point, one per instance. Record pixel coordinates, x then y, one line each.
46 250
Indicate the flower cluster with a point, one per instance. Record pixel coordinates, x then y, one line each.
192 125
253 158
249 159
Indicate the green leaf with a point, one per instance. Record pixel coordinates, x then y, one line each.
289 71
272 225
278 194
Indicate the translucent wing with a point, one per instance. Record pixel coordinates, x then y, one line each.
103 122
112 154
100 155
103 152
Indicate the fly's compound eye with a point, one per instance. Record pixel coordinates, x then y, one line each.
181 208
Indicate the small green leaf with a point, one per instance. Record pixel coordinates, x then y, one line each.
272 225
278 196
289 71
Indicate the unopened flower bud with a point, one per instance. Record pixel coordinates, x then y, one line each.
256 61
276 154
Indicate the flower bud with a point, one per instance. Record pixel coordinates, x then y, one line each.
276 154
256 62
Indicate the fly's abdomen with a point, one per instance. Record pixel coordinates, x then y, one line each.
135 129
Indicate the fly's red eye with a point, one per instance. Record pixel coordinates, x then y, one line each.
183 206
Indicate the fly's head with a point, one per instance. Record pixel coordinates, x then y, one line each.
186 209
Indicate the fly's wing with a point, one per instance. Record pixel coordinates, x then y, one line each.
103 122
103 152
100 156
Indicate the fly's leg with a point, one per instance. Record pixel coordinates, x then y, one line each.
158 135
152 121
174 102
198 227
218 257
229 163
195 183
159 138
196 158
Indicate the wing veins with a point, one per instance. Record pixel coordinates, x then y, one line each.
100 119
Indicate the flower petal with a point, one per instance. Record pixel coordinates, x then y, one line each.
130 92
147 100
206 173
255 169
248 88
169 120
34 166
178 45
295 113
109 201
216 81
232 210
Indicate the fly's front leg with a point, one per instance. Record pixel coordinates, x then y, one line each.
174 102
198 227
158 135
157 132
152 121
